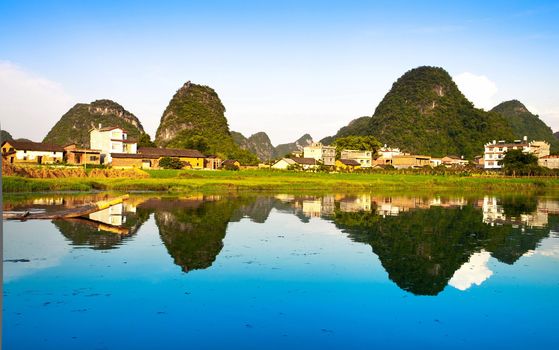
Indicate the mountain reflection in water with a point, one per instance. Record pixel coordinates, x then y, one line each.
424 244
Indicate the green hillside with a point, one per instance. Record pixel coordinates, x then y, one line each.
74 125
195 118
425 113
525 123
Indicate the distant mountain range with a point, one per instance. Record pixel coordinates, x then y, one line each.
261 145
424 113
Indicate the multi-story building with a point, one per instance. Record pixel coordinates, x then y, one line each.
495 151
111 140
364 158
385 155
325 154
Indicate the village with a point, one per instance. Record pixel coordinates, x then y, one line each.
111 147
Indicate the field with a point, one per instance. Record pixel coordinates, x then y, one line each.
265 180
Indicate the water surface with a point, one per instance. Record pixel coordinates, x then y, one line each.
278 271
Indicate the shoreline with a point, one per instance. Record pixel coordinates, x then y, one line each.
189 181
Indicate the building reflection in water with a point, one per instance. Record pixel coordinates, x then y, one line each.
424 244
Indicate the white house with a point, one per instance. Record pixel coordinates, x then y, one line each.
283 164
111 140
325 154
495 151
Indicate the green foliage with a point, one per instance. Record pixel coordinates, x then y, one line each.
232 167
524 123
517 162
74 125
359 127
196 142
145 141
425 113
5 136
421 249
360 143
171 163
195 118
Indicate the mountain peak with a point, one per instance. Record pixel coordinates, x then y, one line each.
74 125
512 106
525 123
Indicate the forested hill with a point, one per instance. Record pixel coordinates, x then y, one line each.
525 123
425 113
195 118
74 125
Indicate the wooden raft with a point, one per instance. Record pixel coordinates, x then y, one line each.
76 212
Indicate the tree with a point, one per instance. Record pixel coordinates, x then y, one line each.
517 162
360 143
197 142
145 141
171 163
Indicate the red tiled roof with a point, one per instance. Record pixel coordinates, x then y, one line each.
171 152
34 146
551 156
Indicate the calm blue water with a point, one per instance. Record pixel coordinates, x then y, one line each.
275 272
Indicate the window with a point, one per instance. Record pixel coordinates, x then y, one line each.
114 146
93 158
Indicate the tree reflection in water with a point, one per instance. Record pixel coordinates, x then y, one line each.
421 243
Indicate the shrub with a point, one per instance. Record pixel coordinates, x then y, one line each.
171 163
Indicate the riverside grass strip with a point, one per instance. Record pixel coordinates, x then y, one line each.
258 180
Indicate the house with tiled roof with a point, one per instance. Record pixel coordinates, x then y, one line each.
78 156
111 140
347 164
28 152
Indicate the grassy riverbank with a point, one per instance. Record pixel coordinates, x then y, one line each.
260 180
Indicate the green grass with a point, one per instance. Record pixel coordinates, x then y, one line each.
262 180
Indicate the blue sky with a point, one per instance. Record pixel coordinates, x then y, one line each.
286 68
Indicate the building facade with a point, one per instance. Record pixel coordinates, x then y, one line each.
27 152
79 156
364 158
347 165
317 151
111 140
549 161
494 152
410 161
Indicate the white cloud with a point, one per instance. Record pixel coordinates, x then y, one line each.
29 104
475 271
550 116
477 88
